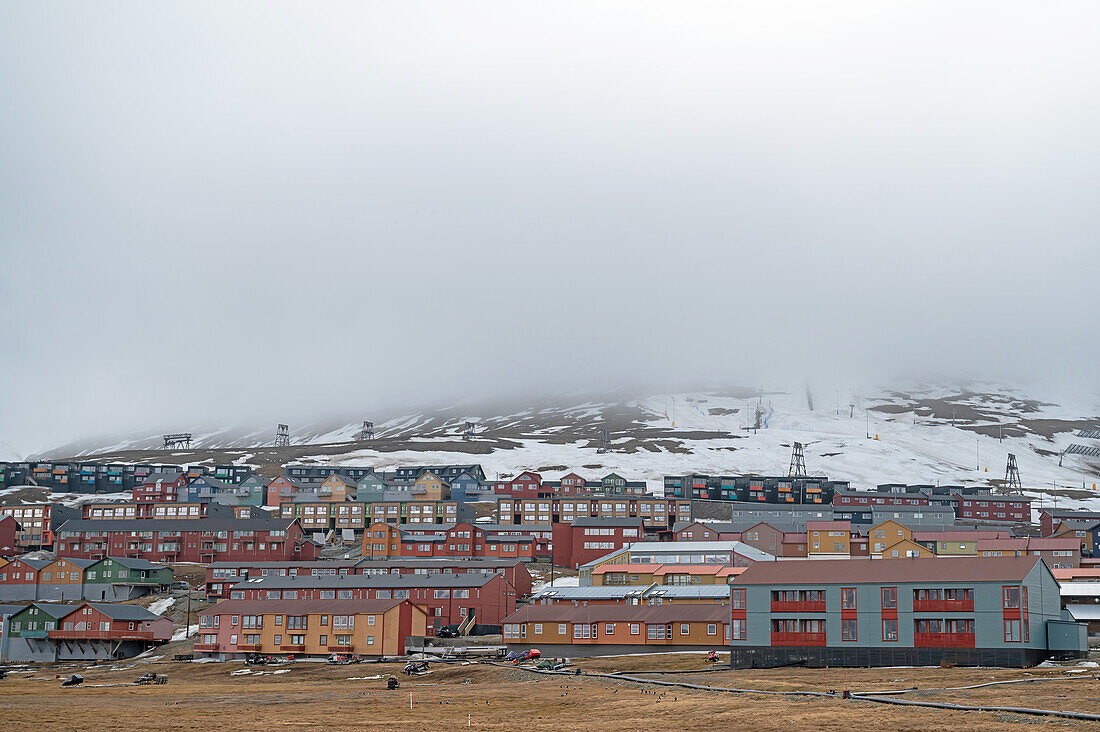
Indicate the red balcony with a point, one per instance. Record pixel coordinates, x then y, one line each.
249 647
293 649
206 646
798 639
102 634
341 649
937 606
798 606
943 640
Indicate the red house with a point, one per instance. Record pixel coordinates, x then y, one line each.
161 486
112 622
589 538
490 541
448 599
527 484
20 571
993 508
197 539
9 527
221 577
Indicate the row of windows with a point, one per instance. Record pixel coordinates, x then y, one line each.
591 630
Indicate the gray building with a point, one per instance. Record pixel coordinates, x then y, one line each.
868 612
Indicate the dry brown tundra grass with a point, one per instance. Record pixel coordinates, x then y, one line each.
316 697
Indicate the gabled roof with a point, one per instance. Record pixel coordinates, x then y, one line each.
961 569
33 563
53 609
135 563
122 612
82 563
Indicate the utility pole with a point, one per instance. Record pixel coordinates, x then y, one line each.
187 627
977 455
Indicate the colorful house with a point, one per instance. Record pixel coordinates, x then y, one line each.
602 629
310 628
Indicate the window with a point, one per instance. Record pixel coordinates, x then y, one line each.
582 630
1012 631
889 599
739 629
848 598
562 630
712 629
634 629
738 599
684 629
890 629
849 630
1011 597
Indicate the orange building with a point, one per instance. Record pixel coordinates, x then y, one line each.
235 628
828 539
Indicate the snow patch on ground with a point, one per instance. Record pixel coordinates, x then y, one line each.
182 634
161 606
558 582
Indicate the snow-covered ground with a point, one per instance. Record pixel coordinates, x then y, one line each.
161 606
867 438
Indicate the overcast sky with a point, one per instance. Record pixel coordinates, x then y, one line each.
227 210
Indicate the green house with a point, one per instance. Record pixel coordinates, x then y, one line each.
37 620
124 578
251 491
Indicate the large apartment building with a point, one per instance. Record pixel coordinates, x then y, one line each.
866 612
657 514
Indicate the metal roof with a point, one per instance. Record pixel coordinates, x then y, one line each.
301 607
688 592
589 593
1084 613
671 613
123 612
955 569
357 581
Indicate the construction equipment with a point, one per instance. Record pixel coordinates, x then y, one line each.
282 435
74 680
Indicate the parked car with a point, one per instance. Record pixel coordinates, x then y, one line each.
446 632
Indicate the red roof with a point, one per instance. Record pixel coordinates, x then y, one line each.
1062 574
954 569
689 569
